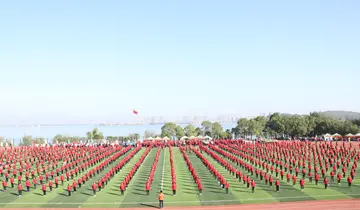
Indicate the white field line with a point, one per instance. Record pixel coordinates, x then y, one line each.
163 171
193 201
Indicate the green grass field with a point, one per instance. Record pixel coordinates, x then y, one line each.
187 193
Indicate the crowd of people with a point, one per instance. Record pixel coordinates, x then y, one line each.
272 163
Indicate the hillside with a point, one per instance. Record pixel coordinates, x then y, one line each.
344 115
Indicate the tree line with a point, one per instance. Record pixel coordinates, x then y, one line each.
275 125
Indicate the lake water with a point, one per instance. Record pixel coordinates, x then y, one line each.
48 132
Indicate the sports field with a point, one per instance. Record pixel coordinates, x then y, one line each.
187 190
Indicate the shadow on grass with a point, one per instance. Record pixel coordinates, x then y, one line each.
63 194
217 192
190 192
36 193
14 194
149 205
137 193
111 193
84 193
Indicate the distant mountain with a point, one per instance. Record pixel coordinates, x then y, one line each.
344 115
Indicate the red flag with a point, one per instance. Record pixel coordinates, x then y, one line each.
134 111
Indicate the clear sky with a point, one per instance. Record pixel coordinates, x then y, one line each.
74 61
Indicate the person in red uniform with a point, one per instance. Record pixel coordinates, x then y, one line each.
20 189
339 177
317 177
74 186
288 176
302 183
50 185
332 175
79 182
4 184
122 188
19 179
266 178
294 180
253 184
248 180
271 180
93 187
310 176
56 182
27 184
174 188
147 188
69 188
43 188
12 182
200 187
34 182
227 185
62 178
326 182
99 185
349 180
277 184
41 178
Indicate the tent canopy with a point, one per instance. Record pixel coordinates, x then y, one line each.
184 137
349 135
336 134
158 138
166 138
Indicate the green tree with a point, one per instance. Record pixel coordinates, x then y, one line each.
226 134
112 139
39 140
253 128
137 136
276 124
242 127
169 130
260 125
298 126
235 131
26 141
206 127
179 132
356 122
216 130
311 123
95 134
190 130
198 131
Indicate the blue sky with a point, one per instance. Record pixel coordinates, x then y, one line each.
74 61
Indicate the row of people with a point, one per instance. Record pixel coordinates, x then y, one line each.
172 169
81 180
130 175
152 172
268 178
212 170
192 170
